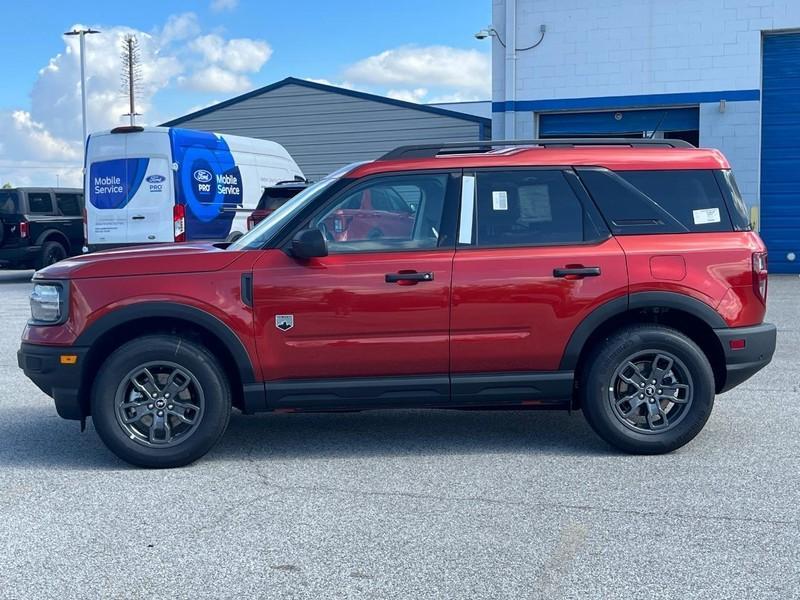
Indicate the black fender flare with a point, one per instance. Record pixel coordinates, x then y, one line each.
160 309
54 233
635 301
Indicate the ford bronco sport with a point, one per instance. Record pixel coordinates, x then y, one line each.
621 277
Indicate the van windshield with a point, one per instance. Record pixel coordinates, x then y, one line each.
266 229
8 203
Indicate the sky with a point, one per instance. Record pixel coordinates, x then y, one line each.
194 54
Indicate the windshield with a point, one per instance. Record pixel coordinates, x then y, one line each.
8 203
266 229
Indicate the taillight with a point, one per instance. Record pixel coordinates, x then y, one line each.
23 229
85 227
760 275
179 222
251 222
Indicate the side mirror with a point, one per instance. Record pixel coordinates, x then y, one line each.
309 243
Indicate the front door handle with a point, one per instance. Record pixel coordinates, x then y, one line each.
138 217
577 272
408 277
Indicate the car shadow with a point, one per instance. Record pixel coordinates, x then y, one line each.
41 439
398 433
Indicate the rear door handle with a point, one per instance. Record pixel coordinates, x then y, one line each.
137 217
409 276
577 272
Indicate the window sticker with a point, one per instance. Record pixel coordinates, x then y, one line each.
500 200
704 216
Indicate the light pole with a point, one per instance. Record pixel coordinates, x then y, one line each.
82 33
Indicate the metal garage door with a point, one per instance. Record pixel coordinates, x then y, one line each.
780 151
618 122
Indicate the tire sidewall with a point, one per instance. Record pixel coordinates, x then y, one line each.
597 405
45 253
172 349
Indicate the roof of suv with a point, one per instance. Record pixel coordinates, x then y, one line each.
614 156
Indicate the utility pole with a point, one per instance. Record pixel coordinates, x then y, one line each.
83 33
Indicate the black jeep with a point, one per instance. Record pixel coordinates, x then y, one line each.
40 226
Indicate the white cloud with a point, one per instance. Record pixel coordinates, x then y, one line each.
442 66
342 84
222 5
415 95
216 79
240 55
44 140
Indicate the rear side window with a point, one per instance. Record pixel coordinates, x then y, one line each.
40 203
69 204
8 203
529 208
636 202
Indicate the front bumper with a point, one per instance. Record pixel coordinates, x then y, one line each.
743 363
62 382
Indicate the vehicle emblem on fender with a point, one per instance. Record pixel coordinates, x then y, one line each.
284 322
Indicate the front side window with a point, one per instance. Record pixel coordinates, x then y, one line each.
528 208
387 213
40 203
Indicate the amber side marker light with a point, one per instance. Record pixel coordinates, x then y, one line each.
68 359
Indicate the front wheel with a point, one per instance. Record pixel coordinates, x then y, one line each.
647 389
161 401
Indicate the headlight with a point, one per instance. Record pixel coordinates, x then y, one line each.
46 303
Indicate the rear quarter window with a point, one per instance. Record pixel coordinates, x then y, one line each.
9 204
678 201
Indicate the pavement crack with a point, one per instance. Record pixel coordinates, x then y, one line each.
524 504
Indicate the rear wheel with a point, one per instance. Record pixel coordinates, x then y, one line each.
161 401
51 253
647 389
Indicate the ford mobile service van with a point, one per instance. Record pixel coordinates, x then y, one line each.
158 184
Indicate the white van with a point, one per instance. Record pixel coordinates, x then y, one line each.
164 184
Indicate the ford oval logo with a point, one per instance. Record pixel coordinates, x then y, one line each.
156 179
203 176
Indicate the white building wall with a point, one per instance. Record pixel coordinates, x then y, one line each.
638 48
737 133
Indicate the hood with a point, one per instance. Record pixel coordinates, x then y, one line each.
160 259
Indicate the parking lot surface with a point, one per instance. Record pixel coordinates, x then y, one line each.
407 504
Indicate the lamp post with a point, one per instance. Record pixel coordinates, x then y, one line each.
82 33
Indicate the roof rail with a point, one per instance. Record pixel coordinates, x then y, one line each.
480 146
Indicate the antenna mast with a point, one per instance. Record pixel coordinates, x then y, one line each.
131 74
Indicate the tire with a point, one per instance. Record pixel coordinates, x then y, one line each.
196 421
641 417
233 236
51 253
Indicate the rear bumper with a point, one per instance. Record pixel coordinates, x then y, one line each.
63 383
741 364
18 255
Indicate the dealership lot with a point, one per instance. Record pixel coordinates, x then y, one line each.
407 504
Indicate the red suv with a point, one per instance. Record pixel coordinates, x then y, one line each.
621 277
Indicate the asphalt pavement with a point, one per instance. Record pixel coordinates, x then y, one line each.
407 504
